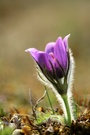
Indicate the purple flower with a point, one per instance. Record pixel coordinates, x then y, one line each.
54 60
55 68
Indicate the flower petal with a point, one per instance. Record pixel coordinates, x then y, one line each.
33 52
42 58
60 53
50 47
65 41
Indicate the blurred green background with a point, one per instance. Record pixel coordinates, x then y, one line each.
34 23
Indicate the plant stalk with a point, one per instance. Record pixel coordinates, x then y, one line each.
67 107
49 100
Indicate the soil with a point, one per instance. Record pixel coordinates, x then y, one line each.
24 124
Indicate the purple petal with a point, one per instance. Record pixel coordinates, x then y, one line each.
33 52
65 41
41 58
60 53
50 47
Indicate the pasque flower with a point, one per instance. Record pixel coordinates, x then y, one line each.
54 62
55 69
54 58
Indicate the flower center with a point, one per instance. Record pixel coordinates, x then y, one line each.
52 55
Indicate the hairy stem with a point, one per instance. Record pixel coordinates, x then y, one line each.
67 107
